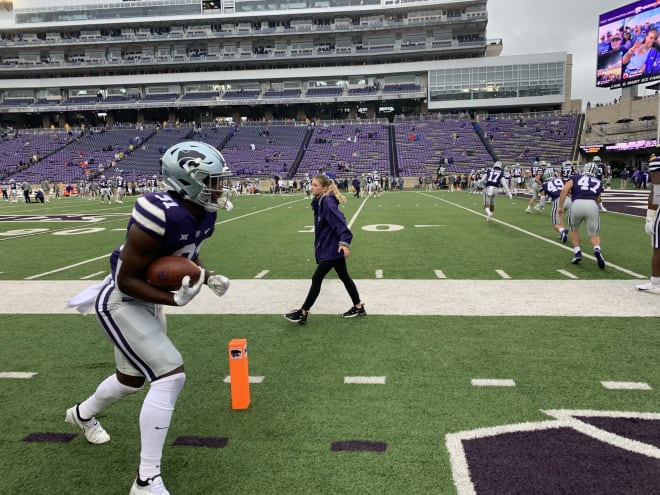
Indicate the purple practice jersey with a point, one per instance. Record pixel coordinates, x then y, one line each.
493 177
552 188
163 217
585 187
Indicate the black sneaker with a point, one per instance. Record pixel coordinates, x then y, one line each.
599 259
297 316
564 236
353 312
577 257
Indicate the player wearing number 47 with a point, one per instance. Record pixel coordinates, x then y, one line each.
585 190
129 309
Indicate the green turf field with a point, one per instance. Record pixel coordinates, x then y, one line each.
282 443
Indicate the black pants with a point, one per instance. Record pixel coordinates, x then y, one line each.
321 271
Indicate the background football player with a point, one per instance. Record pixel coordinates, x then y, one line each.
585 190
492 180
552 187
652 227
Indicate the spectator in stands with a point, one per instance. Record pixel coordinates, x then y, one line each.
332 238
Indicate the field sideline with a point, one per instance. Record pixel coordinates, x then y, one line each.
488 363
616 298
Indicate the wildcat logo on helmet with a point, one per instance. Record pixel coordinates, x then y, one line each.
189 158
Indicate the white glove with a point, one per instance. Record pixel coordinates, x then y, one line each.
224 202
186 292
649 227
219 284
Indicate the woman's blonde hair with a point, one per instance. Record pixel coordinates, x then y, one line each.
330 187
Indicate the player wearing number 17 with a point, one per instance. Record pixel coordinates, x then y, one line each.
129 309
492 180
585 190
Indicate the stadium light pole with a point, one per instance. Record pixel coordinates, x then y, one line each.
656 87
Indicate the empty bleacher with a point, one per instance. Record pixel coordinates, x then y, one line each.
526 139
347 150
423 145
264 150
292 151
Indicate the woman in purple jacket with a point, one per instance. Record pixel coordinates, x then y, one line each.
332 238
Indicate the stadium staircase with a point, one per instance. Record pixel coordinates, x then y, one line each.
394 157
301 153
486 142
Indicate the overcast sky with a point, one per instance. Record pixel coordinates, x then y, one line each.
541 26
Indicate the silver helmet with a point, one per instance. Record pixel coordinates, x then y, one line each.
195 170
549 173
591 168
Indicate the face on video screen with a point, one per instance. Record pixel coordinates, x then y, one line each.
628 52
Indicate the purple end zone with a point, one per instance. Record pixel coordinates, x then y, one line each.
211 442
50 437
556 461
642 430
358 446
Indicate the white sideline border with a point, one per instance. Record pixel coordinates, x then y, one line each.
613 298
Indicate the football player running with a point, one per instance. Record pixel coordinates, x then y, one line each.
602 176
492 180
537 178
129 309
585 191
104 186
552 187
652 228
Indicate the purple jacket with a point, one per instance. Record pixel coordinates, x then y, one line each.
330 229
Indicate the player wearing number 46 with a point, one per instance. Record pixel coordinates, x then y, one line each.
585 190
332 238
492 180
129 309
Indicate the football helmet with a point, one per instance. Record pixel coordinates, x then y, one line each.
654 164
591 168
596 159
498 165
549 174
196 170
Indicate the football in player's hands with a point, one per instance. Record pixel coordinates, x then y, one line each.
168 272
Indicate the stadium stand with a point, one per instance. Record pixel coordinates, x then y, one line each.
411 65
